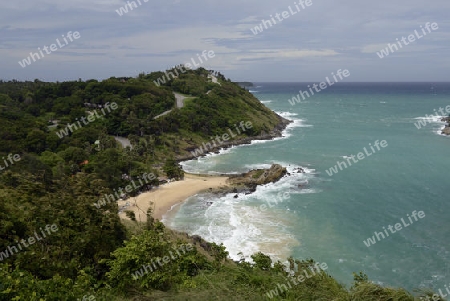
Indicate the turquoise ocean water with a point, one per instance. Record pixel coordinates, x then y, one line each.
328 217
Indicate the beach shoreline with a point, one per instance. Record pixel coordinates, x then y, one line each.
164 197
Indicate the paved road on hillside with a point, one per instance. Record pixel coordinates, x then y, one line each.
124 141
180 103
180 99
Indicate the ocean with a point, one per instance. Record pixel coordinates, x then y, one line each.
328 218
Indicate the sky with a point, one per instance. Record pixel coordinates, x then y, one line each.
155 35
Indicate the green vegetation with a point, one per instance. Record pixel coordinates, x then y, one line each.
258 173
93 253
173 169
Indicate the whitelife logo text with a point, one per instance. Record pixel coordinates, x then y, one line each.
11 250
48 50
398 226
225 137
391 48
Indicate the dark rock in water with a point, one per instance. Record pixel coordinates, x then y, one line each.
248 182
260 176
446 130
300 170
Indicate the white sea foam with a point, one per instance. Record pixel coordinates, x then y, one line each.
296 123
173 209
435 120
431 118
439 131
291 168
240 224
286 114
221 151
206 162
294 182
266 101
243 228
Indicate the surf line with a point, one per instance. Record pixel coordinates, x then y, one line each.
225 137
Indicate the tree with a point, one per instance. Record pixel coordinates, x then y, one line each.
173 169
131 215
262 261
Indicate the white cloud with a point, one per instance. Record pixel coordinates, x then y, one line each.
163 33
373 48
285 54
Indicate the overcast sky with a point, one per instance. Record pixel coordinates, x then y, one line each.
307 46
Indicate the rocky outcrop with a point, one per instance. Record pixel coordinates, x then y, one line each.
247 182
259 176
446 130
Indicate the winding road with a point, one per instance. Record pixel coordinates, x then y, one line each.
124 141
180 99
180 103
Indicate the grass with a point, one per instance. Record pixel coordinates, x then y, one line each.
189 100
258 173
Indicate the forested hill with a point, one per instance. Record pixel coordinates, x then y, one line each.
60 156
35 111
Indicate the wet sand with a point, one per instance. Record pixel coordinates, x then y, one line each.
170 194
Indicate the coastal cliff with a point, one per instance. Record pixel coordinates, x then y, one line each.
276 131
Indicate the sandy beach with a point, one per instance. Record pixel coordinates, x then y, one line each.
167 195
